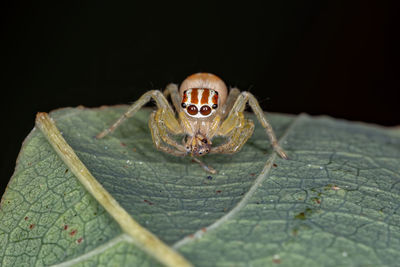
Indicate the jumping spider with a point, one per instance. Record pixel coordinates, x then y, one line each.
204 110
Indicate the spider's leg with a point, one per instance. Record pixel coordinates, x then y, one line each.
161 102
235 117
237 138
204 166
157 135
233 95
172 89
160 120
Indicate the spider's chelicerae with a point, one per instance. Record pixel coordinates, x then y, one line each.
205 110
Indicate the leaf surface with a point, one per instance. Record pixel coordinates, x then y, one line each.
335 202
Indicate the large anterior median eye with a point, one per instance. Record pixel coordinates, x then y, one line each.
205 110
192 110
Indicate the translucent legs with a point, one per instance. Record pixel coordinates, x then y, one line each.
162 122
167 115
239 129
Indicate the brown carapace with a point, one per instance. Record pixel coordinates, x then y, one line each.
203 110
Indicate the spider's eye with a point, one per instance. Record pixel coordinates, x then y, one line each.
192 110
205 110
183 105
214 106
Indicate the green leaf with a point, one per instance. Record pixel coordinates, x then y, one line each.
335 202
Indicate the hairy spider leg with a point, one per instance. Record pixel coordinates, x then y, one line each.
238 136
162 103
172 89
156 133
234 119
161 118
233 95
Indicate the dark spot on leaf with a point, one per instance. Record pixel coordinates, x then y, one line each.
66 171
79 240
252 174
31 226
209 177
295 232
203 229
317 200
276 261
148 202
65 227
73 232
26 218
303 215
275 165
257 202
219 191
123 144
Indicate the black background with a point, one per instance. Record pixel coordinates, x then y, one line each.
336 58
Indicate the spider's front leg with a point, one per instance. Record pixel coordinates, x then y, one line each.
159 134
238 136
235 121
162 103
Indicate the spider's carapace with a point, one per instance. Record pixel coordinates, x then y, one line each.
203 110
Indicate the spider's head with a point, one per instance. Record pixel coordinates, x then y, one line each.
200 102
202 94
198 145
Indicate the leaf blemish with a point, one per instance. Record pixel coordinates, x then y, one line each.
73 232
218 191
317 200
275 165
79 240
303 215
148 202
26 218
276 259
31 226
65 227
